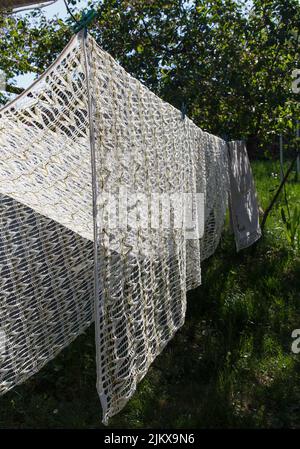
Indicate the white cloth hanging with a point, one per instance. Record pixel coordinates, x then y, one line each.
243 205
69 146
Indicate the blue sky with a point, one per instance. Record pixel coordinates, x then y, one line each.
57 9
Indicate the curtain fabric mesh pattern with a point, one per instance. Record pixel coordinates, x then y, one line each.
46 232
63 148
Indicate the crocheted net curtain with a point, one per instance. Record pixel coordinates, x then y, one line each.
84 132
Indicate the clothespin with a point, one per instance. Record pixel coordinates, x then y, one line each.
85 21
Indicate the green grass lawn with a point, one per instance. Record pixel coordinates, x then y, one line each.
231 364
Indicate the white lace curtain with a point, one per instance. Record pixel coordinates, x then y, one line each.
84 132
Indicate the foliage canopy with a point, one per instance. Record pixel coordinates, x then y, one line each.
229 61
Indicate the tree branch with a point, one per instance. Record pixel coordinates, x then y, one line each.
14 89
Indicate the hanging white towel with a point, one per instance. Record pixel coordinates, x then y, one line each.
243 205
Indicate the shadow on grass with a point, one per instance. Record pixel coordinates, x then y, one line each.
229 366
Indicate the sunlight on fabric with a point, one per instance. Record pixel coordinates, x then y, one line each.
84 132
